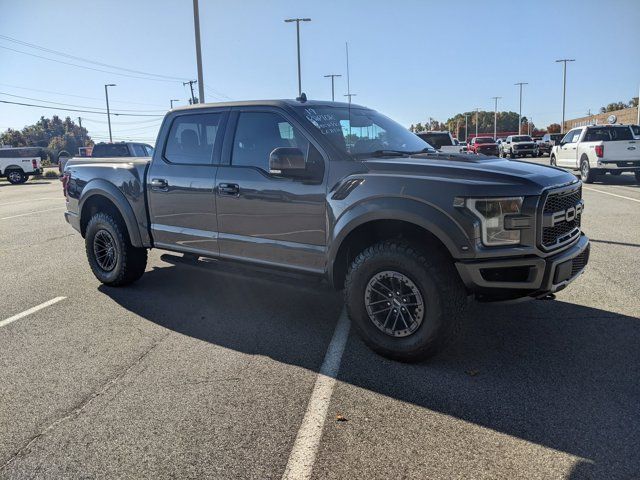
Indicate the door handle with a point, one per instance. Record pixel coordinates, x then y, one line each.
159 184
232 189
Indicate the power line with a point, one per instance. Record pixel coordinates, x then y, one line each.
71 105
76 110
74 57
77 96
89 68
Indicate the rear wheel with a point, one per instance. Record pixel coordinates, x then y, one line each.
587 175
113 260
17 176
404 304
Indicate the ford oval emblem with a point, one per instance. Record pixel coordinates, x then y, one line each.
612 119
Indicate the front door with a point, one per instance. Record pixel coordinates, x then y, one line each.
181 181
567 151
263 216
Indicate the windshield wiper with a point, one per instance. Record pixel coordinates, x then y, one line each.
389 153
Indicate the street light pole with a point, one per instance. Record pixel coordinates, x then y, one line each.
106 94
520 110
495 118
173 100
298 20
196 26
564 87
333 94
477 110
466 127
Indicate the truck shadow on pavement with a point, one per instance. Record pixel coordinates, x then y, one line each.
557 374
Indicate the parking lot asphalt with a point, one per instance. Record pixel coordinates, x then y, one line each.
207 372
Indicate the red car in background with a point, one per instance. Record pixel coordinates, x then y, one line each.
484 145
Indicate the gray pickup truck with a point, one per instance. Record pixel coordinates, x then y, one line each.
342 192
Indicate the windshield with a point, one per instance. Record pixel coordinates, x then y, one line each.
484 140
362 132
522 138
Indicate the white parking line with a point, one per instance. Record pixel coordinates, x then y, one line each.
612 194
305 448
29 201
32 213
30 311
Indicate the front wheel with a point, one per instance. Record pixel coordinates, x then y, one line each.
512 154
405 304
17 177
113 260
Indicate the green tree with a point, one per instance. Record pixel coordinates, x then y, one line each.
554 128
613 106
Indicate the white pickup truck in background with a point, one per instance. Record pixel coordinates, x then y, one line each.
598 149
443 141
18 163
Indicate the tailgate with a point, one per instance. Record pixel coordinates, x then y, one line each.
622 150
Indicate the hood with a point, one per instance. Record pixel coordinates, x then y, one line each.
473 174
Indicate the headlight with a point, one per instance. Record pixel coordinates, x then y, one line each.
492 213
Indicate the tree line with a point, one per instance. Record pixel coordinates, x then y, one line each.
53 135
506 122
619 105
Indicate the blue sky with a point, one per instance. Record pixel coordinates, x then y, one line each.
409 59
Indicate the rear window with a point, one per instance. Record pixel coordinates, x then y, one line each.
522 138
484 140
110 150
608 134
436 139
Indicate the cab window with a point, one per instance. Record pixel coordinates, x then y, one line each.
192 138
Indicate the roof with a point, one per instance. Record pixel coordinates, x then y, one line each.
269 103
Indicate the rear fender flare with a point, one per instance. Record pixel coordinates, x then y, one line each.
111 192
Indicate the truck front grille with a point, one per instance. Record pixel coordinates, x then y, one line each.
579 262
565 231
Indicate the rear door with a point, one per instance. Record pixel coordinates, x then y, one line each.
180 183
262 216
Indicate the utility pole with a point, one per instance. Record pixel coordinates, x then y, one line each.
333 94
196 26
564 87
638 119
173 100
495 118
191 82
81 132
106 94
351 95
477 110
458 129
298 20
520 110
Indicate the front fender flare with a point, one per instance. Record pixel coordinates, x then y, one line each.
111 192
425 215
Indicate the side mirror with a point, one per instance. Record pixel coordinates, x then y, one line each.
287 161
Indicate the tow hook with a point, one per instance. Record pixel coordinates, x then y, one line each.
548 296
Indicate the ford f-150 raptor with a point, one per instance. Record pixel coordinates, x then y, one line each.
343 192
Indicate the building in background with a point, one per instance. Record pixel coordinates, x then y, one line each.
625 116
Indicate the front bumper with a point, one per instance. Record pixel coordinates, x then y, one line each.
504 279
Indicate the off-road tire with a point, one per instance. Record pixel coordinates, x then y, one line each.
16 177
130 261
587 175
444 297
512 154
